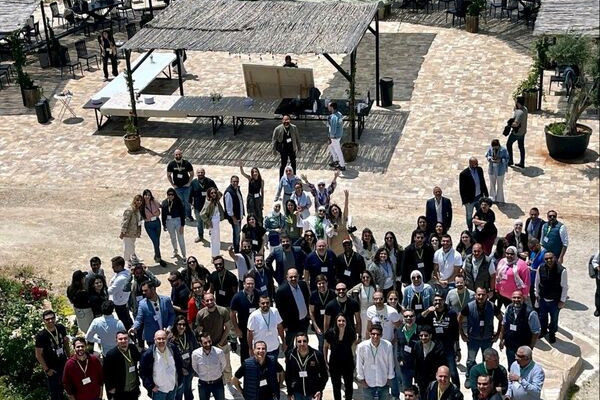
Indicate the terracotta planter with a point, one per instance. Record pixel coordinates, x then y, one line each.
133 143
568 147
350 151
472 23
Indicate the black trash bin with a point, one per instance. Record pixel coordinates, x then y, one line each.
386 85
42 110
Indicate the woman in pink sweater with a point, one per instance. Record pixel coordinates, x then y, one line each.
512 274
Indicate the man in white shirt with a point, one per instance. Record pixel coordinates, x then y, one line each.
384 315
265 324
375 365
116 290
161 368
209 363
446 265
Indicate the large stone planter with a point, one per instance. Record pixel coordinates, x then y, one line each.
350 151
132 142
568 147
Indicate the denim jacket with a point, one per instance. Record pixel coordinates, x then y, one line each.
502 165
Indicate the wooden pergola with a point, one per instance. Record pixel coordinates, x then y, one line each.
264 27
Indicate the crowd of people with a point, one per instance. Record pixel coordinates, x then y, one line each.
386 316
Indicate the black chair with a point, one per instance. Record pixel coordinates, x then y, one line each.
115 16
497 4
56 13
131 30
459 11
32 30
67 4
126 7
82 53
446 2
5 74
71 65
509 7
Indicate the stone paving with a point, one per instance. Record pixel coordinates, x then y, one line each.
63 186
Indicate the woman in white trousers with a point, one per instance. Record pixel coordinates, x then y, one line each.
497 157
212 214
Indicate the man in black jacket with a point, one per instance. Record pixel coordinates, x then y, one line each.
305 370
438 209
442 388
199 187
292 302
472 187
417 256
233 202
124 357
429 356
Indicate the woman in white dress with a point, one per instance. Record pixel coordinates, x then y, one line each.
363 294
212 214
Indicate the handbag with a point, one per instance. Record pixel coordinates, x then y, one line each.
508 127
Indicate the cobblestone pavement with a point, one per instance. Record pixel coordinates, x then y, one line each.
63 186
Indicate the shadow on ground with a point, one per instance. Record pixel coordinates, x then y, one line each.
252 145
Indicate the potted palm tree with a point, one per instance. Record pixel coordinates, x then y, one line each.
568 139
29 91
529 89
474 8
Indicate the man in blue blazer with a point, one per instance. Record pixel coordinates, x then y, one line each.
445 210
154 313
293 254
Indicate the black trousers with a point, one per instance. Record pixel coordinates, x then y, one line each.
285 155
597 294
113 62
123 314
336 381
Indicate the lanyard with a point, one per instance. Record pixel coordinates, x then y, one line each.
221 281
368 292
440 393
374 353
419 255
128 356
348 260
324 259
464 296
321 299
55 339
342 309
183 343
440 318
268 323
84 370
301 364
387 269
418 296
169 205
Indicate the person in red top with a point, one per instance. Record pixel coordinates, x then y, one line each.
82 377
196 302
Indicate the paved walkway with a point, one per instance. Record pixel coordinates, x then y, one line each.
63 186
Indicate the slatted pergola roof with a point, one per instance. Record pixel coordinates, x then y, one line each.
14 13
557 17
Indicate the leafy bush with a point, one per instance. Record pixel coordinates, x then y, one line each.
22 299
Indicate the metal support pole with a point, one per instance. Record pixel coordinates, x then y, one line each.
130 86
353 94
179 67
151 10
46 31
337 66
377 100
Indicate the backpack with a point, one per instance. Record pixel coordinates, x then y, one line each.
593 272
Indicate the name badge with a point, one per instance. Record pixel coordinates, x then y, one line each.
256 195
263 382
152 218
156 317
439 329
185 356
481 323
407 348
322 312
347 272
421 265
86 381
60 352
204 194
169 217
138 298
255 242
303 374
418 306
180 176
132 368
141 222
263 288
513 327
221 292
545 239
288 140
323 269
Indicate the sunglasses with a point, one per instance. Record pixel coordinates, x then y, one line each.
409 316
510 254
219 265
416 278
340 289
375 334
424 335
181 324
192 262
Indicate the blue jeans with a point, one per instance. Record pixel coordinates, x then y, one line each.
549 308
396 383
469 207
185 389
184 194
407 374
164 396
274 354
300 396
55 386
473 347
451 363
521 143
200 224
237 229
381 392
153 229
216 388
